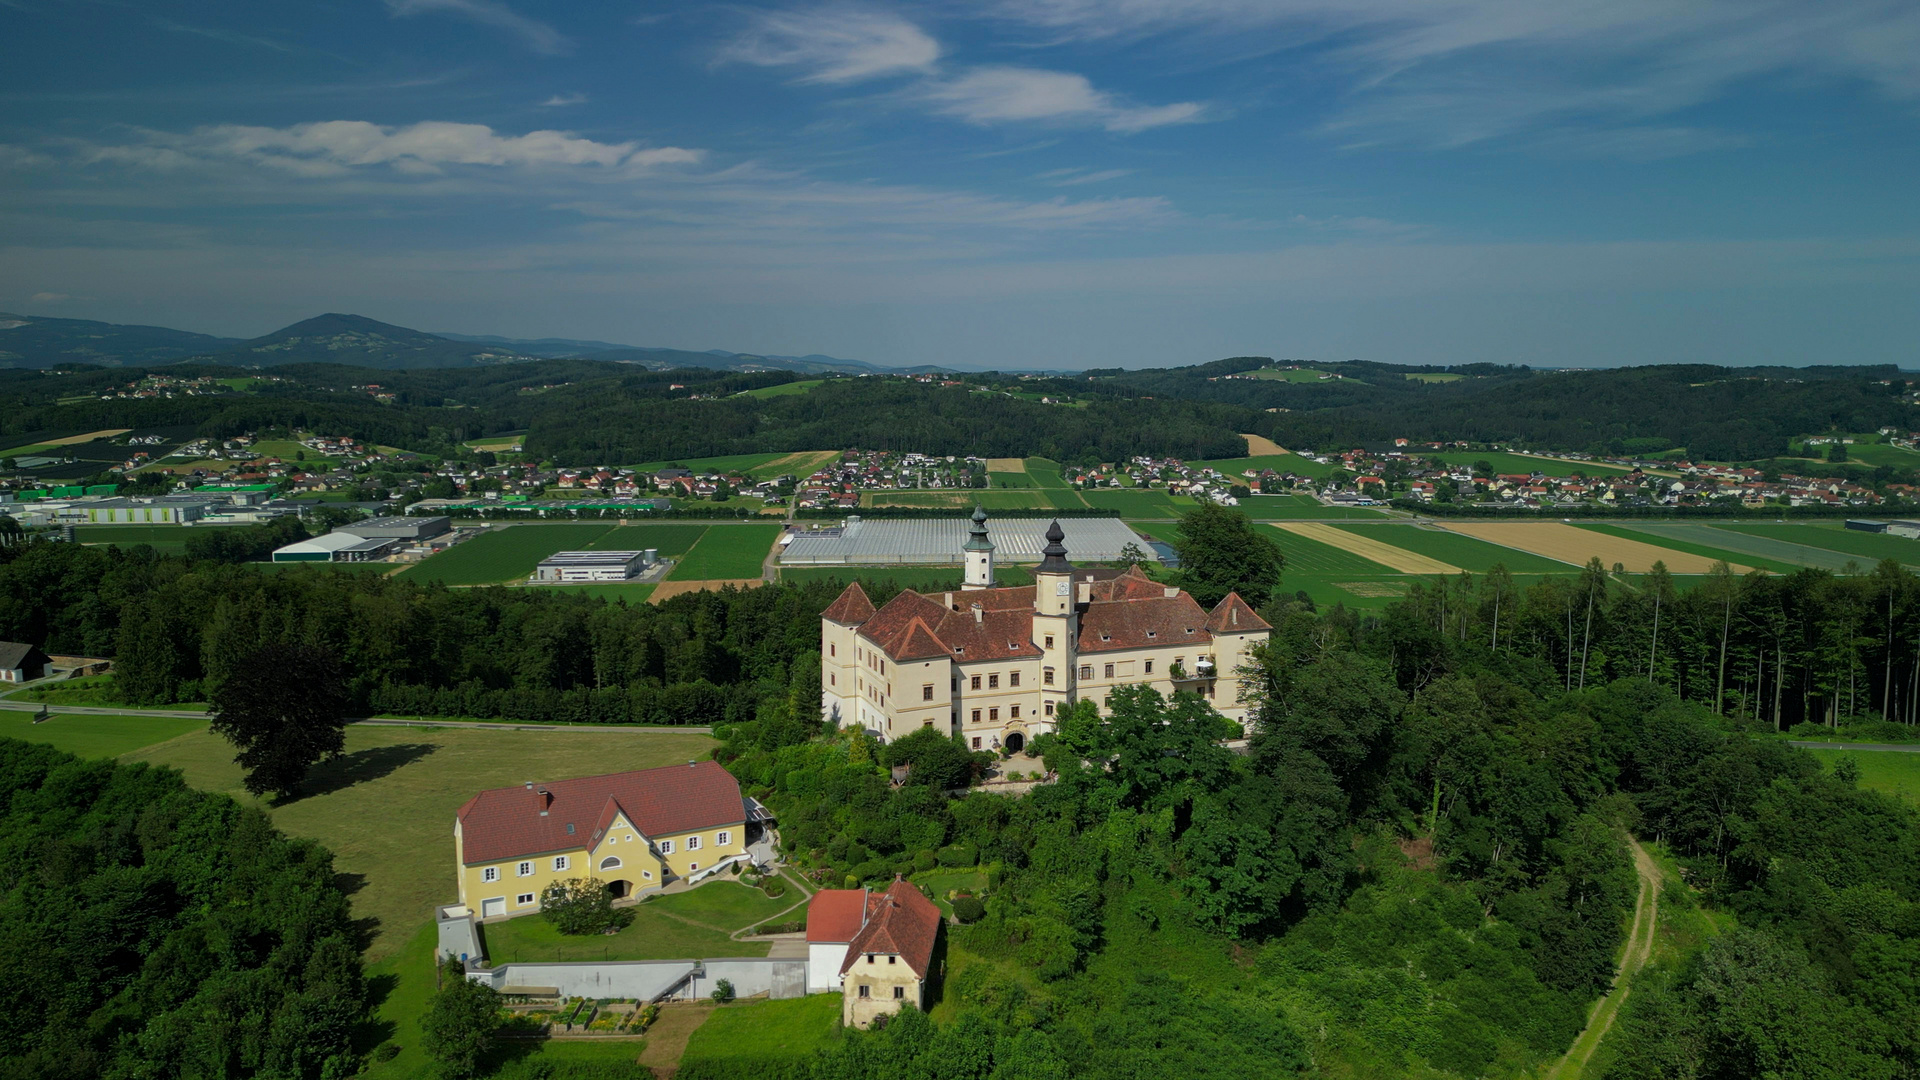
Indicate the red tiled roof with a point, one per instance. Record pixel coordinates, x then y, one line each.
835 915
506 823
1233 615
1143 623
903 923
852 607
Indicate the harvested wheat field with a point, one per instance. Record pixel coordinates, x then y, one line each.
1261 446
666 590
1570 545
1006 464
1407 562
801 464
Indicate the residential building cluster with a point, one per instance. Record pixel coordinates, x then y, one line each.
840 483
1172 475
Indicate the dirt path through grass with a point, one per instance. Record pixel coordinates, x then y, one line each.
1646 917
667 1038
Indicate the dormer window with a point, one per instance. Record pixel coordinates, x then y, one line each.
1153 633
1109 637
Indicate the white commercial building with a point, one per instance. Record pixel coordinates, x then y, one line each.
594 565
335 547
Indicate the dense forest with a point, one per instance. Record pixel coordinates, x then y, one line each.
150 930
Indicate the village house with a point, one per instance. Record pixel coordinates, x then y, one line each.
994 665
875 948
636 831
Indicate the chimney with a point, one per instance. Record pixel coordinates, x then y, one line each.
529 785
546 800
979 614
949 600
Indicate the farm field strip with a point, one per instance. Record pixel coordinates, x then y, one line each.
1261 446
802 464
1290 507
1572 545
1284 463
1692 547
1007 465
1134 503
667 590
71 440
727 552
1759 546
746 463
1313 556
1393 558
1524 463
1476 556
1865 546
503 554
670 538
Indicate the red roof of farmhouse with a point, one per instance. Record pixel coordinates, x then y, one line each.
507 823
902 922
836 915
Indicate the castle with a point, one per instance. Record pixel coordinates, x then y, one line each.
994 664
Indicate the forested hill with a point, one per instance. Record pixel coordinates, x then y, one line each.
1718 413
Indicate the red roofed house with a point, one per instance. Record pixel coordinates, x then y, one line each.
876 948
634 830
993 665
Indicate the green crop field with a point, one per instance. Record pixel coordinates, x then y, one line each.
163 538
1167 532
1465 552
671 538
1314 557
1896 772
1433 376
92 736
1135 503
1281 463
1746 546
727 552
1691 547
742 463
505 554
784 389
1521 463
1868 547
1045 473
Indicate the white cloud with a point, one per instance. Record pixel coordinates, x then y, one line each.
1452 72
1076 177
560 100
989 95
836 45
536 35
337 147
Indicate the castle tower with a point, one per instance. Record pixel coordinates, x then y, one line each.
1055 622
979 554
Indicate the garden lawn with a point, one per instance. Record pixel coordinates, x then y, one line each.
797 1028
727 552
1464 552
1665 540
682 926
386 808
672 539
97 736
1869 547
1895 772
504 554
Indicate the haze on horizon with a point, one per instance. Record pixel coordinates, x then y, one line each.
1011 183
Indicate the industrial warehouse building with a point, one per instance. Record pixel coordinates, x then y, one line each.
939 541
413 530
595 565
336 546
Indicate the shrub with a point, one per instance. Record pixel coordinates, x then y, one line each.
774 887
969 909
386 1051
723 991
959 855
582 906
925 860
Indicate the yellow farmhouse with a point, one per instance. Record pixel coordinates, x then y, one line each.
635 831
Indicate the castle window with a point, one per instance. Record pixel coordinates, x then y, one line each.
693 843
1086 671
976 716
976 742
525 869
723 839
1014 712
609 863
1046 676
865 990
1013 678
1049 641
926 692
976 683
1049 708
899 992
993 681
1109 670
1149 667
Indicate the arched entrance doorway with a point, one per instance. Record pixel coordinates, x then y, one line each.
1016 742
620 889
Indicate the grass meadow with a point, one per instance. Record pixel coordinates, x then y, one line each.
797 1028
1868 547
97 736
683 926
1282 463
1465 552
1895 772
727 552
504 554
784 389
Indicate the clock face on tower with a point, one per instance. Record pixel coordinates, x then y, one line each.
1060 588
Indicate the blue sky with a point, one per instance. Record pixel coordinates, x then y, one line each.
998 183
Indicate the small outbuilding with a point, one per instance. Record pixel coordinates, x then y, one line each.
20 662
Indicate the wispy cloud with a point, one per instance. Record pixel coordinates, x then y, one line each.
1076 177
337 147
560 100
835 45
989 95
536 35
847 45
229 36
1455 72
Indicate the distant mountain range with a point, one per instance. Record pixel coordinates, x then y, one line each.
34 342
